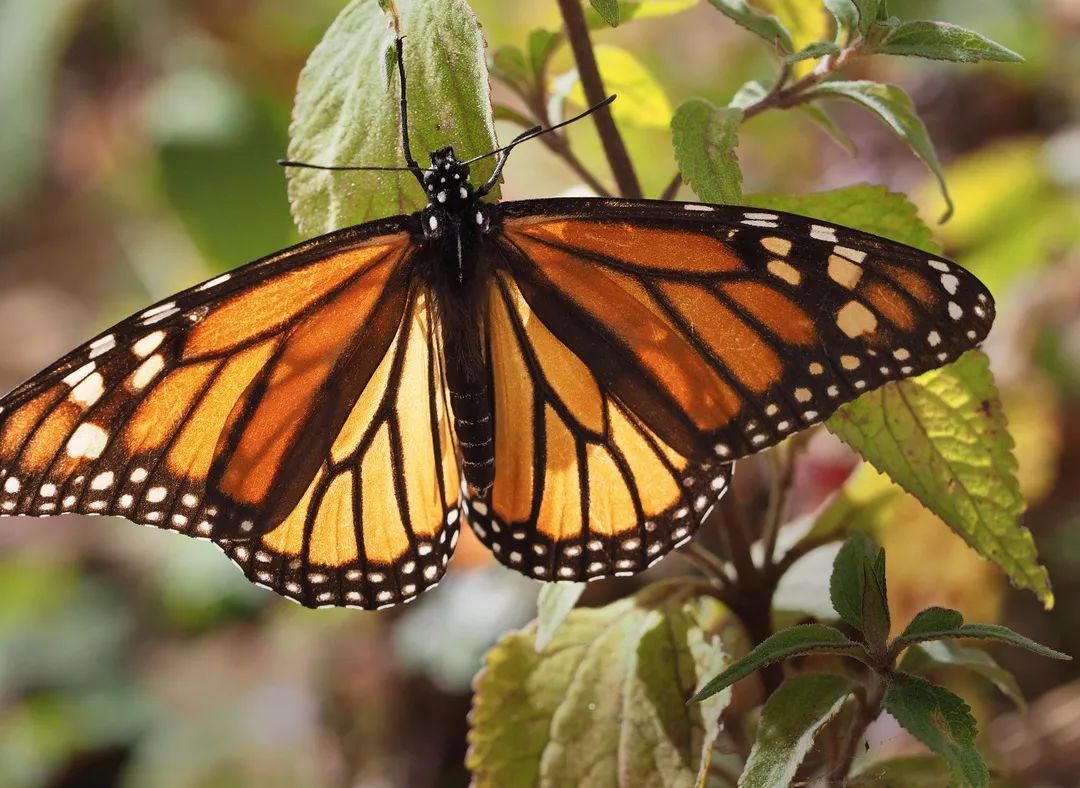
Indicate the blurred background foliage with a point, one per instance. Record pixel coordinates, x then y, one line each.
137 157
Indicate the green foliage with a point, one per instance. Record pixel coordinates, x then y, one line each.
943 438
554 604
941 623
792 642
705 137
942 41
608 10
346 109
857 589
641 99
794 715
893 106
941 721
603 700
756 21
933 655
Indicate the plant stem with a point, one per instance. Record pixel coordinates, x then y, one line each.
869 710
577 32
736 538
708 563
784 96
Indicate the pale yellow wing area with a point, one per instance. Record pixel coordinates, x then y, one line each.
379 522
582 488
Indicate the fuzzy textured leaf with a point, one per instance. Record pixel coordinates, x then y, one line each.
554 604
792 718
893 106
942 41
756 21
937 623
925 657
705 137
857 589
941 721
846 15
346 109
803 639
943 438
604 703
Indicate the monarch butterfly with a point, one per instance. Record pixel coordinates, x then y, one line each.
572 377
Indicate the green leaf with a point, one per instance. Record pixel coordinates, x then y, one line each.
639 9
508 64
925 657
749 94
803 639
828 125
942 41
928 622
941 721
857 589
848 580
893 106
937 623
605 699
554 604
756 21
542 45
872 209
812 52
705 137
943 438
924 771
346 111
642 101
846 15
608 10
869 12
792 718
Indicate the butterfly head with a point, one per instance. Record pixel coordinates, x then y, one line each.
447 180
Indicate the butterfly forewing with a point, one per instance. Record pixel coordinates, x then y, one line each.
726 329
237 389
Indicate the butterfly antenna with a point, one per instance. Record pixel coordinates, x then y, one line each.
504 152
412 167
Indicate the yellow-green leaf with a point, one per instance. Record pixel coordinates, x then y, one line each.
943 438
604 703
641 100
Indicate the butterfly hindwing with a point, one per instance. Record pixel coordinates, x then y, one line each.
379 520
583 489
726 329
